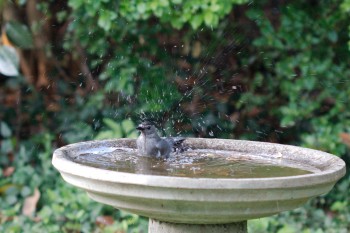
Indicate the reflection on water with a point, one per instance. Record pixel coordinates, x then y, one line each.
193 163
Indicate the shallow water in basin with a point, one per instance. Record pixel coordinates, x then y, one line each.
192 163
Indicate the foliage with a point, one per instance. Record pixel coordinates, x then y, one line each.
126 129
9 61
62 208
308 73
345 6
175 12
19 35
332 215
229 69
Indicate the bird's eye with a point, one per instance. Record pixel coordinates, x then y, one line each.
149 127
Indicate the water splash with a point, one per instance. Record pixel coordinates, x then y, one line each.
193 163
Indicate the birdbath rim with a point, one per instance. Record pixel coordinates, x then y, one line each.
330 168
202 200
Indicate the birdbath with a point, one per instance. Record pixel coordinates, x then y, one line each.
179 201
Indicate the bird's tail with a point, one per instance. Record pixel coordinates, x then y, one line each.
177 144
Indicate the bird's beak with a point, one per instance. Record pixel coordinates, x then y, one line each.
140 127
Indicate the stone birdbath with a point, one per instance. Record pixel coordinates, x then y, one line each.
201 203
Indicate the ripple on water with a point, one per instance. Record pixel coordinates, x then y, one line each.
192 163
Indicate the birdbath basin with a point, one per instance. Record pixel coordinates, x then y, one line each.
197 202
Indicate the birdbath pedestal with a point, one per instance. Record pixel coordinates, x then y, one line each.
156 226
185 204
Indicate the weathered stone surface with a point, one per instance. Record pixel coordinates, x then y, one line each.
203 200
162 227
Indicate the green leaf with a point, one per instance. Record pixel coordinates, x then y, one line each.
196 21
109 134
287 229
11 200
5 130
75 4
106 19
333 36
128 126
9 61
141 8
26 191
345 6
19 35
80 214
208 18
112 124
177 23
22 2
132 134
339 205
258 225
176 1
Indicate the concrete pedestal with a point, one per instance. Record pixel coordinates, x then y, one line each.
156 226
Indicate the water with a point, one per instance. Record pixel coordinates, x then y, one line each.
193 163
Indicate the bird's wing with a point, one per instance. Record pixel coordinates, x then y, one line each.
164 148
174 141
178 141
176 144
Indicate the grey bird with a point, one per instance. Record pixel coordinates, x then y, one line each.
150 144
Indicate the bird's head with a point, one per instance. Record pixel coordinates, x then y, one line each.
146 128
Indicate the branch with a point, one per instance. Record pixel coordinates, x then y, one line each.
91 84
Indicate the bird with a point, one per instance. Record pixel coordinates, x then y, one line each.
149 143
